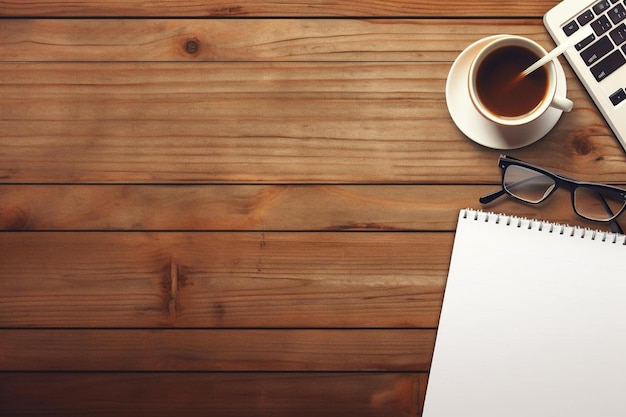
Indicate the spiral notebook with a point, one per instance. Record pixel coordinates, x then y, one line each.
533 322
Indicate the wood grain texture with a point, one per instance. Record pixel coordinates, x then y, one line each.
313 8
262 122
202 40
230 279
202 394
216 350
321 207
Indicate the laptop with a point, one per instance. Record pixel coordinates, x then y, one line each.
599 60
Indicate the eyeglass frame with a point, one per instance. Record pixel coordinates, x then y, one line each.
560 181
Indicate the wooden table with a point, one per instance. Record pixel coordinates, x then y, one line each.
229 209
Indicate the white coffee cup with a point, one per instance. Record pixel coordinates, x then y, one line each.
548 99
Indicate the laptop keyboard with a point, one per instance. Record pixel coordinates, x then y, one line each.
604 51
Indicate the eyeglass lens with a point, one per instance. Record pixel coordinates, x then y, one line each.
527 184
597 203
594 203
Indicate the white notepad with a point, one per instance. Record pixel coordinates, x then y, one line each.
533 322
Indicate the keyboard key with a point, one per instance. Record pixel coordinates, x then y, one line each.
618 96
585 17
601 6
619 34
585 42
608 65
601 25
597 51
570 28
617 13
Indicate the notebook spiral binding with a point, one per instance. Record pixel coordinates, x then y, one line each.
543 226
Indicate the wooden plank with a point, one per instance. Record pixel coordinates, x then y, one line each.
235 207
215 8
218 394
222 280
216 350
262 122
320 40
259 207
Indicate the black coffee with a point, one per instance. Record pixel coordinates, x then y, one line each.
501 88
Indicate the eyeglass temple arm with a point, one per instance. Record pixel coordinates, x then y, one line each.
486 199
615 227
613 224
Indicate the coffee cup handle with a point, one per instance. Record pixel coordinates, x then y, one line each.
562 103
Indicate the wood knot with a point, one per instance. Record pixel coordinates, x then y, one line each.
220 310
192 46
14 218
582 146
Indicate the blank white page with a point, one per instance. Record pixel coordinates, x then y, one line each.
533 322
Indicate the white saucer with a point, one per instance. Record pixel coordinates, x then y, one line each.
482 131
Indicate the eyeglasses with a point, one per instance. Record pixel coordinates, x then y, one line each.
531 184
